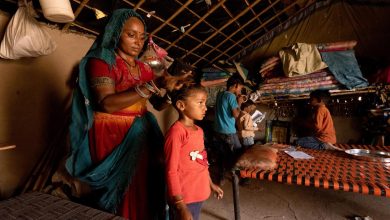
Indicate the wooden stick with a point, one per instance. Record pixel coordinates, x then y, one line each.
7 147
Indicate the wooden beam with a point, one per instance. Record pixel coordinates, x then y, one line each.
186 51
76 13
215 7
237 23
135 6
254 14
225 25
171 25
84 28
269 20
172 17
235 32
7 146
205 22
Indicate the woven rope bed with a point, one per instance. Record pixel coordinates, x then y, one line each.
36 205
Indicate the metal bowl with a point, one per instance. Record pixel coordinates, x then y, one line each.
369 155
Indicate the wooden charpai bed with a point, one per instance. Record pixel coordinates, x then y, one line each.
36 205
334 170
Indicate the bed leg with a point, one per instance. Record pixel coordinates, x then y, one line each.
236 195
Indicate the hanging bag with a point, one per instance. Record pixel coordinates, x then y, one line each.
24 36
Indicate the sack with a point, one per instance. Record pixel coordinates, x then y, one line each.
24 36
156 57
258 157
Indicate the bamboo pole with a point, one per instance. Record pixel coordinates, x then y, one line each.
202 19
4 147
174 27
254 14
237 23
76 13
269 20
248 23
172 17
225 25
205 22
86 29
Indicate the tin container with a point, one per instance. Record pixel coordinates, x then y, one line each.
370 155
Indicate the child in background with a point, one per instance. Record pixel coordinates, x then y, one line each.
324 133
188 179
246 129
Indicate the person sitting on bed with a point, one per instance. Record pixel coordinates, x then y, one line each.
324 136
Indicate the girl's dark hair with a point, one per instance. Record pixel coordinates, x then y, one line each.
246 104
184 92
321 95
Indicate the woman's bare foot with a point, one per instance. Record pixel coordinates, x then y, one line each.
329 146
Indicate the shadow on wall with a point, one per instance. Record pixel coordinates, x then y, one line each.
34 113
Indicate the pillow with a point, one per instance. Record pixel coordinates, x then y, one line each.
259 156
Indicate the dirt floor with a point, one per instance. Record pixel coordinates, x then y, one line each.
270 200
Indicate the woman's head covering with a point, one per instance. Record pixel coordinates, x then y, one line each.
105 45
104 49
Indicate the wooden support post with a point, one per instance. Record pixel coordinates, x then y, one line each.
236 195
7 147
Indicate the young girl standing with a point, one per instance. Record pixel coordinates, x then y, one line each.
187 174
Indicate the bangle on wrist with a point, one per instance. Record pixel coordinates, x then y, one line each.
150 88
140 93
158 91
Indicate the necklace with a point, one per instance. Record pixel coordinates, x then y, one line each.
130 67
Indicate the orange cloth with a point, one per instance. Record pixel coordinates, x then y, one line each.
323 125
185 177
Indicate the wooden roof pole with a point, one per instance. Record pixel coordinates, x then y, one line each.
76 13
186 51
215 7
138 5
169 24
237 23
205 22
172 17
269 20
225 25
86 6
235 32
86 29
254 14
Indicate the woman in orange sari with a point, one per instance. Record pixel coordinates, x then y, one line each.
117 146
